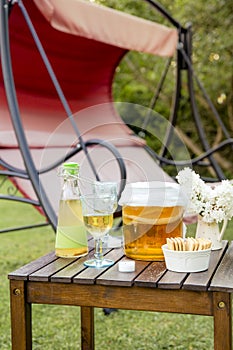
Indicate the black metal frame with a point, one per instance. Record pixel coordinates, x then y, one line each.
184 64
32 174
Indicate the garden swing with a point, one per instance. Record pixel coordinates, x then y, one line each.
58 60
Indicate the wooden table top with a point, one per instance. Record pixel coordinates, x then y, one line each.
49 268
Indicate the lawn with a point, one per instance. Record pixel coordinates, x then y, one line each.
57 327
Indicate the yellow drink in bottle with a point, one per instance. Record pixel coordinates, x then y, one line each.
71 237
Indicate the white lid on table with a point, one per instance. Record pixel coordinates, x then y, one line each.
126 266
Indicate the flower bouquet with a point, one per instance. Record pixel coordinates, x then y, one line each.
212 204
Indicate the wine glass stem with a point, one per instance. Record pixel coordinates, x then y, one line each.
98 250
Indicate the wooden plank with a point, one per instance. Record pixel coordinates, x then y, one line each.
201 280
151 275
223 277
87 328
23 272
21 328
222 309
130 298
113 277
66 274
89 275
46 272
57 266
172 280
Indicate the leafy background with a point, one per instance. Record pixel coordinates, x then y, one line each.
138 74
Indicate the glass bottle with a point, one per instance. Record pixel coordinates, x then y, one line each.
71 237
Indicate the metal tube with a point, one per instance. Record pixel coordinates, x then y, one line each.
15 115
56 84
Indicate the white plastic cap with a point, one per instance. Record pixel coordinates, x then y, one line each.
126 266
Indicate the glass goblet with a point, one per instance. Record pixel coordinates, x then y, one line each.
108 188
97 213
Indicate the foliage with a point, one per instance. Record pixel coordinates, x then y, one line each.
139 74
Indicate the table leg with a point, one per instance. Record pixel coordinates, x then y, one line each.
222 321
87 328
21 329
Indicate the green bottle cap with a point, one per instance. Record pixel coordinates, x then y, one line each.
71 168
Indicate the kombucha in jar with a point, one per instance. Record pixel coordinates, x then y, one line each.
145 230
152 212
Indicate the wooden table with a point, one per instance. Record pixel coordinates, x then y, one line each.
52 280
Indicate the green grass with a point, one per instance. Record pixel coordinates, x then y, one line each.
58 327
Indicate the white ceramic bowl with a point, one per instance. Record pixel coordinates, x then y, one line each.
186 261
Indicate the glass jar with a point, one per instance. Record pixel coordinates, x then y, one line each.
152 212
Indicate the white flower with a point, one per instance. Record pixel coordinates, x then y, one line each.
212 203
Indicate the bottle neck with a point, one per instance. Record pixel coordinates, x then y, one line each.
73 181
70 188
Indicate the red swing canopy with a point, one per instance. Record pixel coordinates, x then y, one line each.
84 43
